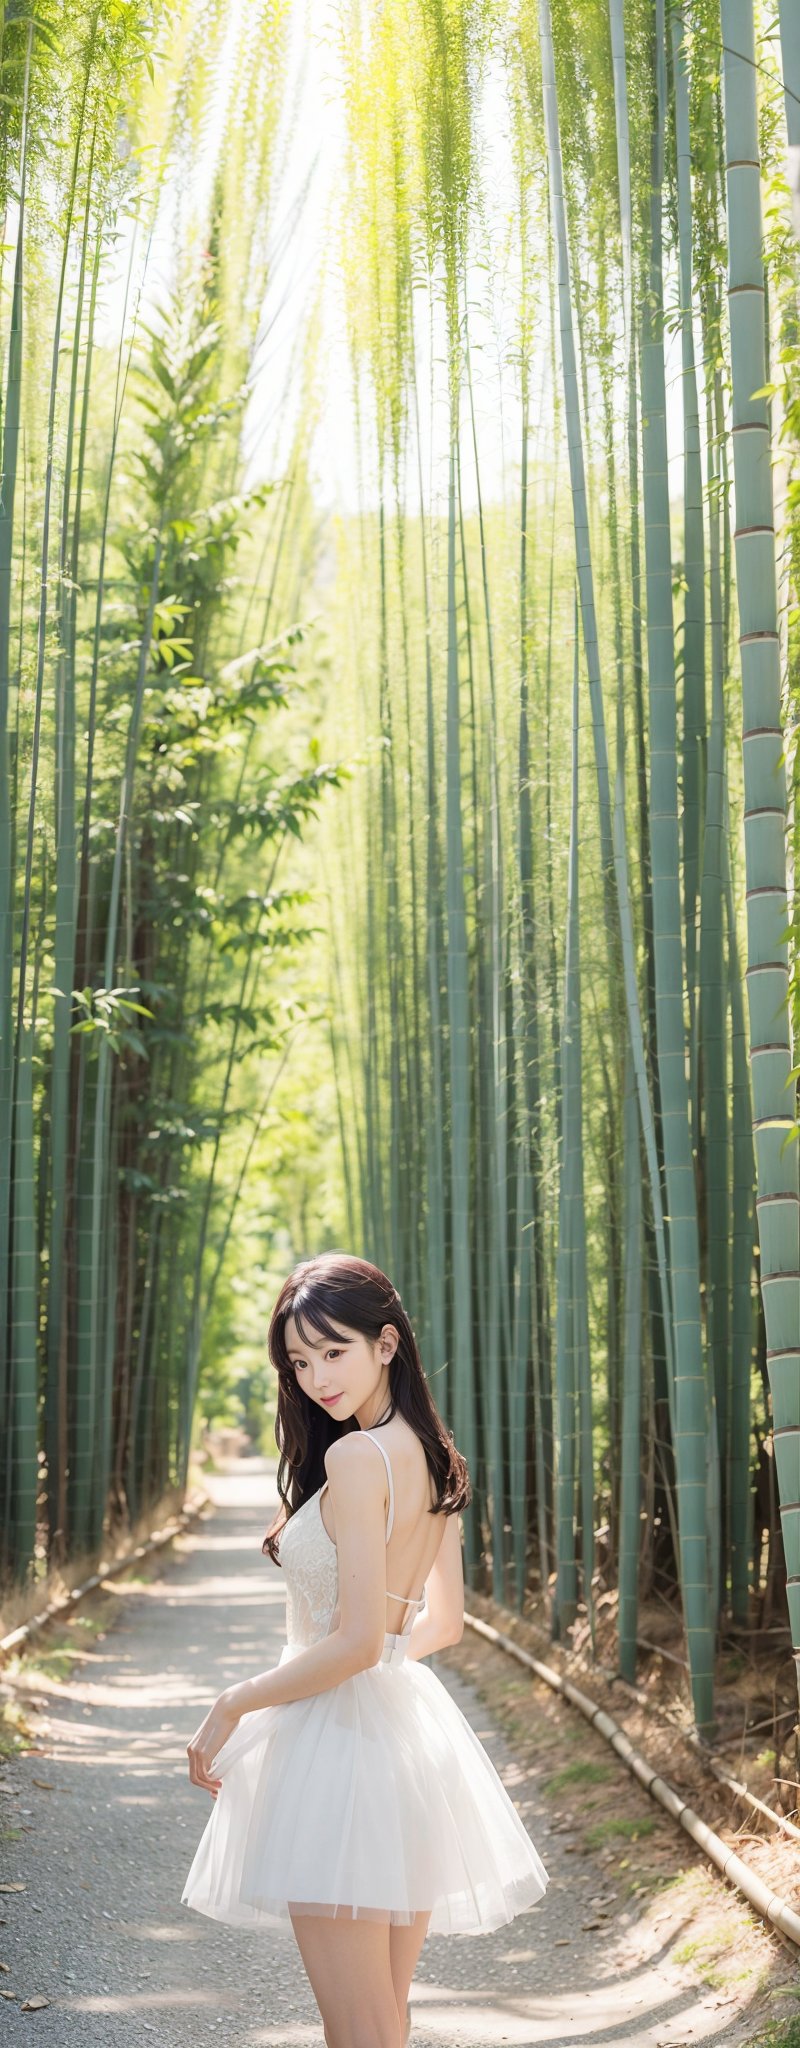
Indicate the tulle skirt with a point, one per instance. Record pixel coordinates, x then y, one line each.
374 1800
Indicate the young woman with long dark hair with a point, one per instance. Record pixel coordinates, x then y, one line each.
352 1799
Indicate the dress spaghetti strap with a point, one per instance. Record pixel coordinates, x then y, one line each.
388 1463
404 1597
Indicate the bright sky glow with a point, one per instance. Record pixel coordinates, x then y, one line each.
315 143
307 288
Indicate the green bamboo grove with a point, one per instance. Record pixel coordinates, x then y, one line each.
519 728
146 804
563 1026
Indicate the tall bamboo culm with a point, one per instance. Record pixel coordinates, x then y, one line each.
774 1089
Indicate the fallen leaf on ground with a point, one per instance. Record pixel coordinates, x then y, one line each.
34 2004
16 1887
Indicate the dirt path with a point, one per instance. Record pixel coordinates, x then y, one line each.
100 1827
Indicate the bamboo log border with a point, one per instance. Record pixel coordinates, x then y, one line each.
695 1743
732 1867
692 1740
57 1608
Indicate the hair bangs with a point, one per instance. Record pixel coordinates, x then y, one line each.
308 1314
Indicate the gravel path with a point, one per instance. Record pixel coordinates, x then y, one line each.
108 1835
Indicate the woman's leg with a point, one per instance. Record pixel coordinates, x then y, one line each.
348 1966
405 1945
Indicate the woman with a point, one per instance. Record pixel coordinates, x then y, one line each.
351 1797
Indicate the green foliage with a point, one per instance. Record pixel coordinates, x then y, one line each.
583 1772
194 881
144 815
616 1828
452 1033
783 2033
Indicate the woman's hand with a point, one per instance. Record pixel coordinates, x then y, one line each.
219 1723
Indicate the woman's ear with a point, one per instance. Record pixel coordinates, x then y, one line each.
389 1340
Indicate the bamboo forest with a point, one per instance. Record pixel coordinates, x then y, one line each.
399 690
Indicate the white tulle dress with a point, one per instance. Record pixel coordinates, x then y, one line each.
373 1800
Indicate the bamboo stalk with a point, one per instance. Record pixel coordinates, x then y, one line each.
694 628
11 421
690 1388
778 1204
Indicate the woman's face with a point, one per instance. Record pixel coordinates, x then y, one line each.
347 1374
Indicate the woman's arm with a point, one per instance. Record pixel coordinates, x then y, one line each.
360 1501
358 1491
442 1618
316 1669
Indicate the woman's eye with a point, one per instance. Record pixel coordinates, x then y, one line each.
299 1363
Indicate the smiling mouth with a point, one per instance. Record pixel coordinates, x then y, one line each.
329 1399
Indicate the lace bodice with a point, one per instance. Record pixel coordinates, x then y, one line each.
310 1567
310 1563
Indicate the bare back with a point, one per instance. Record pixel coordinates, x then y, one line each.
414 1536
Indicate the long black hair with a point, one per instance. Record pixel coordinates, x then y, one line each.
323 1294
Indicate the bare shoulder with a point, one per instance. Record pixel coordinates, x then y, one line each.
357 1491
345 1464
